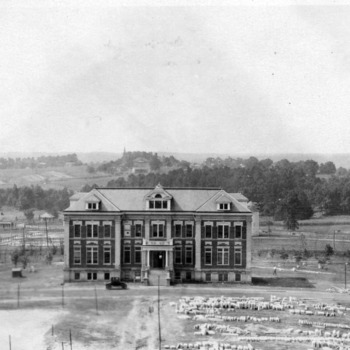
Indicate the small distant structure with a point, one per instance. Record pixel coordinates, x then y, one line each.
16 272
7 224
46 217
141 166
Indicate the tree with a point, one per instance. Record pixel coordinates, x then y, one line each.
29 214
15 255
328 250
328 168
24 260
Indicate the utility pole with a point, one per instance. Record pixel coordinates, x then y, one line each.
345 273
24 238
47 236
159 331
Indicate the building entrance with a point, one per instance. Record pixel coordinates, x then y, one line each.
158 259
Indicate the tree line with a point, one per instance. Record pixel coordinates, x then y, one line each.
43 161
281 189
34 197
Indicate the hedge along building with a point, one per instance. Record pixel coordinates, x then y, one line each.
187 234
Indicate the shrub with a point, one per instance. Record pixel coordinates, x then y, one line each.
328 250
48 258
284 255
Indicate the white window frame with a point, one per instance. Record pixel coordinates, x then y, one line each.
156 233
76 254
74 230
224 225
178 253
188 249
107 249
93 225
222 253
92 205
104 230
92 251
238 252
205 231
206 251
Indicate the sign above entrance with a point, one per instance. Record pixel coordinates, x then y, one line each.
158 243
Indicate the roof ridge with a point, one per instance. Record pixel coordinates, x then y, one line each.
166 188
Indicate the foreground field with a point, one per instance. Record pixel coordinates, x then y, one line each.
37 312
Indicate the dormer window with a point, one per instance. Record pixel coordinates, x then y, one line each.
224 206
92 206
158 199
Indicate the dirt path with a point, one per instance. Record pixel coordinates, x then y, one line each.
140 329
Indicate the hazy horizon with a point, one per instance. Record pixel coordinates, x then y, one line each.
98 77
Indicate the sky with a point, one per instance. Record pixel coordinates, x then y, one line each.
77 77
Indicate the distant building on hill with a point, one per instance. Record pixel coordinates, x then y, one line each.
141 166
176 234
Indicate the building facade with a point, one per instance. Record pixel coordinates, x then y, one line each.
159 234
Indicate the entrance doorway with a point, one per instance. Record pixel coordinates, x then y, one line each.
158 259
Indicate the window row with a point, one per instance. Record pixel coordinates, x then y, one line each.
92 255
223 256
92 276
158 231
222 277
223 231
92 231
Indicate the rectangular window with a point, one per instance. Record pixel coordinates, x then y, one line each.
224 206
238 232
92 231
158 204
137 255
238 255
107 276
178 275
189 231
107 231
208 231
77 255
208 256
77 231
223 231
223 277
92 255
127 255
223 256
188 275
189 255
107 255
178 230
178 255
208 277
92 206
238 277
77 276
157 230
92 276
138 230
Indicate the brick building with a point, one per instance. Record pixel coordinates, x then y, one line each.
170 234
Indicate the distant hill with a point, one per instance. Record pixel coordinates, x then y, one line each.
339 159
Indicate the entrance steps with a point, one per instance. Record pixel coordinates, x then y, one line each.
153 277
